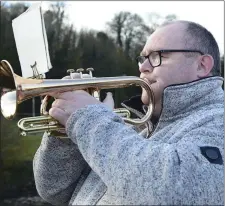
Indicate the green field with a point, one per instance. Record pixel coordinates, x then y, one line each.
17 153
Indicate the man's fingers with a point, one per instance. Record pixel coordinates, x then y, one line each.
65 95
61 103
71 95
65 105
59 114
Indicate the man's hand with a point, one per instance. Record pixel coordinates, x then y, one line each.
68 102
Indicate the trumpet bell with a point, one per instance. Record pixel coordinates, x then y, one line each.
8 90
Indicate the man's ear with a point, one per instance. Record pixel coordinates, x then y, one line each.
206 63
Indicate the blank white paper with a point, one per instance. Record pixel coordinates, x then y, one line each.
31 41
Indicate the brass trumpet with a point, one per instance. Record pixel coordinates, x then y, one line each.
16 89
48 124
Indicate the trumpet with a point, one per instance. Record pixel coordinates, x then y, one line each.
16 89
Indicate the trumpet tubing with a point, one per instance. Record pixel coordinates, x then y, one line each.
16 89
37 124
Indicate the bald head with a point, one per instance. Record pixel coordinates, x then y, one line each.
174 34
166 37
195 36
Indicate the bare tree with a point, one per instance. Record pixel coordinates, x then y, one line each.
117 25
129 30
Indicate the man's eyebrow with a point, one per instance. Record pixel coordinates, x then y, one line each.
146 53
143 53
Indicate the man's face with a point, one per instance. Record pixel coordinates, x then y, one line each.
175 67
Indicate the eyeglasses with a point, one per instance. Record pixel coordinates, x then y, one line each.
155 57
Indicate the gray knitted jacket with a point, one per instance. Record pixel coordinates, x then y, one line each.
108 162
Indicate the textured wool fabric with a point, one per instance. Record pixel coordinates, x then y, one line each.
112 164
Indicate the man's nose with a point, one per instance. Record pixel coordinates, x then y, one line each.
145 67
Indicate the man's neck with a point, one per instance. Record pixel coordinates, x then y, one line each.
157 109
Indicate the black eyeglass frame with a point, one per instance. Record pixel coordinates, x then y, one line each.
165 51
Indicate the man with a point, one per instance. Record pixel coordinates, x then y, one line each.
106 161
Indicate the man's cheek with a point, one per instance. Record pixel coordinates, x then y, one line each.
144 97
160 84
165 81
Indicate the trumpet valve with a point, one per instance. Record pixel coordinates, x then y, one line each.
70 71
90 70
80 70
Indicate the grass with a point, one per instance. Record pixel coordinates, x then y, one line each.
15 147
17 153
21 150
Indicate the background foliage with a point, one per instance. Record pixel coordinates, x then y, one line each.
111 53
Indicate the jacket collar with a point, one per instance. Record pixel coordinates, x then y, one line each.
181 98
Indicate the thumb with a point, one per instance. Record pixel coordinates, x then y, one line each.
109 101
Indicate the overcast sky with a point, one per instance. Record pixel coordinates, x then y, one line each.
95 14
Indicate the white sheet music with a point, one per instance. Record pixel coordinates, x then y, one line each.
31 41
